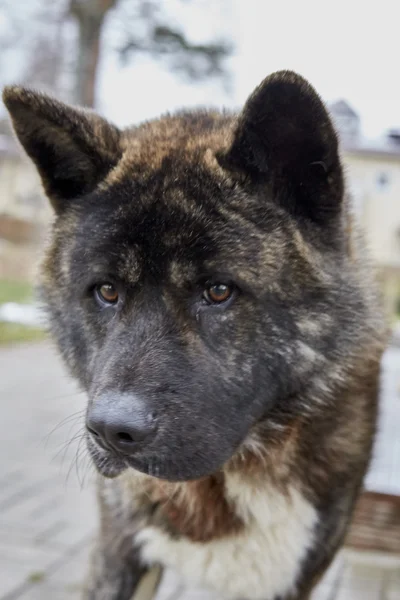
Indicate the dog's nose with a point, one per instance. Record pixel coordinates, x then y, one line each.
121 421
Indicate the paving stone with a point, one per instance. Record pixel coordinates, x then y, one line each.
13 576
392 586
47 517
46 591
361 583
20 563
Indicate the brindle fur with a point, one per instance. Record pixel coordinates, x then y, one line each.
279 387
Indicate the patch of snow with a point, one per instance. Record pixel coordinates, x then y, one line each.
24 314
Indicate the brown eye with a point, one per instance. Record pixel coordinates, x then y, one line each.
106 293
217 293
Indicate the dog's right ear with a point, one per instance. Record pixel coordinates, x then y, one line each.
73 149
284 137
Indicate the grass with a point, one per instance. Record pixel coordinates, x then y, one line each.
37 577
15 291
13 333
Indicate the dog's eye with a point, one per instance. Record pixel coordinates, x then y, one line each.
217 293
106 293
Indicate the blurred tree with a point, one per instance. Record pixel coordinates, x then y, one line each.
89 15
33 48
159 35
147 30
58 44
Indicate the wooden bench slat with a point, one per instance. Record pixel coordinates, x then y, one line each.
376 523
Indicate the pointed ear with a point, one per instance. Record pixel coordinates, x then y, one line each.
284 137
73 149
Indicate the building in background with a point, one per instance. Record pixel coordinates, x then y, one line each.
24 214
372 170
373 175
346 119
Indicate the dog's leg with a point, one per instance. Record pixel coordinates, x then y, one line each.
116 572
112 576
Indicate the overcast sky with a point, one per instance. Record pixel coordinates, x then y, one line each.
345 48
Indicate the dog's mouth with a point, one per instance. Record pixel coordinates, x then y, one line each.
110 464
107 463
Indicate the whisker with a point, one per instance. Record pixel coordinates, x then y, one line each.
66 445
74 417
89 467
66 395
80 452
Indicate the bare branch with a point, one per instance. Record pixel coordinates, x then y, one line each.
195 61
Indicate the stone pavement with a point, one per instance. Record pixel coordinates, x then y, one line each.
47 508
46 519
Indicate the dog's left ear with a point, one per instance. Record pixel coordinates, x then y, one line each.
73 149
285 137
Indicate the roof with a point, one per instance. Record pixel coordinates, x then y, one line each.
384 146
341 108
353 142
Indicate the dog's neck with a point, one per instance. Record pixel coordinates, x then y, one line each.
221 504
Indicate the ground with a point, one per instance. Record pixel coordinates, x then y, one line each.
20 292
47 508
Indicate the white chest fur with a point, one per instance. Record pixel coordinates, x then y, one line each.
260 563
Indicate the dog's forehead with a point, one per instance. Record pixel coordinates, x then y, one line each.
170 143
136 229
174 203
158 212
174 215
169 185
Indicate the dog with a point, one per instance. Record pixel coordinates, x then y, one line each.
207 286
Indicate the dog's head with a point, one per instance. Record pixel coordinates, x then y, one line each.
192 268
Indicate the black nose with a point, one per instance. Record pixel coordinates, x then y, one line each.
121 421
